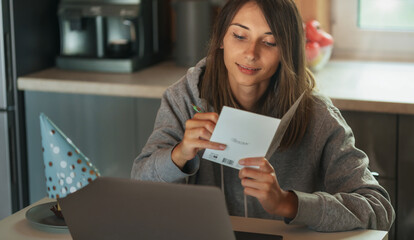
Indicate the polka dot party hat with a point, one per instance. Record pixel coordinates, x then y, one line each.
66 168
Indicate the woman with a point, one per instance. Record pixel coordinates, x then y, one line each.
256 62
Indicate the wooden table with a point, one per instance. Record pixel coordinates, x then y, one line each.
16 227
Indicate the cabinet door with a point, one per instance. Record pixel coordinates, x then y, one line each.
5 183
405 210
376 135
104 128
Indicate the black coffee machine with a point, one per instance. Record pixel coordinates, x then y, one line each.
112 35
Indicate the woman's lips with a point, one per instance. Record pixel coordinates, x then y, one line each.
247 70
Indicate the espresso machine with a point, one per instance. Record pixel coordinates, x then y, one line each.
112 35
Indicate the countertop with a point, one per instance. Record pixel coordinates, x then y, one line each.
148 83
386 87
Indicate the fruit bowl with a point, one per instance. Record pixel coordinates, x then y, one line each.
321 59
319 45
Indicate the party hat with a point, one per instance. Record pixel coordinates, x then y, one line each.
66 168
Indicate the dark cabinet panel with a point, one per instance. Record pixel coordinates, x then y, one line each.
376 135
405 212
110 131
390 186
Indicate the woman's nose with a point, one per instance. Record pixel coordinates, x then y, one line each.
251 51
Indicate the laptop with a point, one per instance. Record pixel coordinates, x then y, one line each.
114 208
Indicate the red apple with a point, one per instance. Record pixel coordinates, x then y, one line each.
326 39
312 50
313 31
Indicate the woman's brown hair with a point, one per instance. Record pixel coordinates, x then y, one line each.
290 80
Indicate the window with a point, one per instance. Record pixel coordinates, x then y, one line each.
388 15
373 29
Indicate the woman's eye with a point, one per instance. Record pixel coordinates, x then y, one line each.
238 36
269 44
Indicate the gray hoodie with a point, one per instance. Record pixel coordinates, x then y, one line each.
335 189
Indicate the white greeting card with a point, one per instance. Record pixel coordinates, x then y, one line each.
246 134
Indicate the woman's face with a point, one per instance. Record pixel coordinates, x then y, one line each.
251 55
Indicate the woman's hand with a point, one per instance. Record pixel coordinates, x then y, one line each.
262 183
198 131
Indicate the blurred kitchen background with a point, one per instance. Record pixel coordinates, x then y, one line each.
109 40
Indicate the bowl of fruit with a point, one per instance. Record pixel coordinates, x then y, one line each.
318 47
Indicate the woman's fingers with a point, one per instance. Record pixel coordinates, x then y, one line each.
257 175
261 183
262 178
211 116
197 123
198 131
257 193
207 120
251 183
259 162
202 144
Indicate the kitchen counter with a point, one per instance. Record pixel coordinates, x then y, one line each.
385 87
147 83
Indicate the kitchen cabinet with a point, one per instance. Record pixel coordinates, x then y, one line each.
376 134
388 140
105 128
405 189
